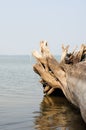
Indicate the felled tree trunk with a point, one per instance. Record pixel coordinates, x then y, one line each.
68 75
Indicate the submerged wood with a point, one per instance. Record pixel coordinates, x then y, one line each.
69 74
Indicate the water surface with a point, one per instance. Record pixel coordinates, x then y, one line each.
22 104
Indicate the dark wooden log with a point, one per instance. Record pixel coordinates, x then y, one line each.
69 77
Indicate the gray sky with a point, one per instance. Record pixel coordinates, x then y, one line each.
24 23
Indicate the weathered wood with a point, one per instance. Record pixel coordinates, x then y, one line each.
76 84
69 75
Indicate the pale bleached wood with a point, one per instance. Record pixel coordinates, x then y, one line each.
70 78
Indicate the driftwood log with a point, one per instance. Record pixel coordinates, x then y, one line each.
68 75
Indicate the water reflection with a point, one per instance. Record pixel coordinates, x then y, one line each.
56 113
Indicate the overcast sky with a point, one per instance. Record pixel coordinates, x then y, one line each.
24 23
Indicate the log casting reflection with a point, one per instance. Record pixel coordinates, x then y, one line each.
69 74
57 113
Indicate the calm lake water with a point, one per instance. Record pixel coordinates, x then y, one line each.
22 104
